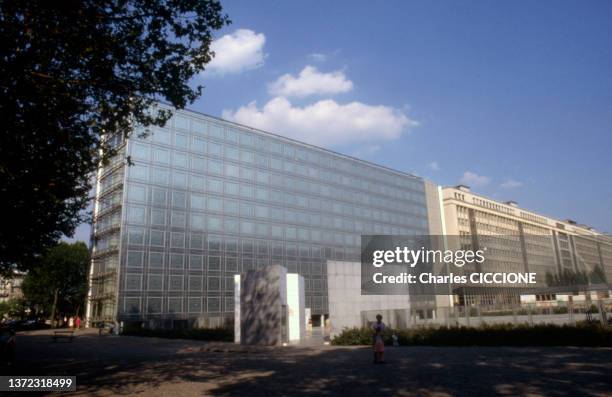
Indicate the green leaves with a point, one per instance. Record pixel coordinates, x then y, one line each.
63 268
71 73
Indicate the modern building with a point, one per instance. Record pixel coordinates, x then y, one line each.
519 240
206 199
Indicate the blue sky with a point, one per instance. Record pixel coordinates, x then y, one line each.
512 98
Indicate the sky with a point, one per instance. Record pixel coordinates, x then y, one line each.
513 99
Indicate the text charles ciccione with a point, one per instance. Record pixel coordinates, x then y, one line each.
459 258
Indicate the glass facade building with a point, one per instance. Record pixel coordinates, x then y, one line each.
206 199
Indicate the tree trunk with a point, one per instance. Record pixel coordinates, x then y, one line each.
53 324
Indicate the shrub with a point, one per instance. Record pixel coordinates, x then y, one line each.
208 334
581 334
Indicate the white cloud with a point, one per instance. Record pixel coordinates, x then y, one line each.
472 179
511 184
318 57
326 122
434 166
237 52
310 81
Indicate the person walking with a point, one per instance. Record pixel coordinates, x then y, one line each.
77 322
377 340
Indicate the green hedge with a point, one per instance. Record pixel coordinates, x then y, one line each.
486 335
208 334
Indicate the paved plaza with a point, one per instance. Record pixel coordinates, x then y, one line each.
111 365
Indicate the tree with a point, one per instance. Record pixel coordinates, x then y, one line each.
13 308
58 282
72 74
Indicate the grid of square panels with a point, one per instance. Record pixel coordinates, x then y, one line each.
206 199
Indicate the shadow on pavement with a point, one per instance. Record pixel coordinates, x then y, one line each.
111 365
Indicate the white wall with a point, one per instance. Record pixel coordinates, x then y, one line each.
295 306
345 300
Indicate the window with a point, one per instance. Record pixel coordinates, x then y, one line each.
231 136
231 170
246 139
181 122
277 231
247 227
198 145
231 153
247 156
154 305
179 199
175 283
198 164
291 233
214 149
181 141
195 305
179 179
197 182
140 151
159 197
177 261
136 236
199 127
197 241
132 305
197 201
195 262
231 207
214 304
180 159
161 156
261 194
197 222
214 167
137 193
160 175
246 191
177 240
134 259
215 130
215 204
155 282
215 185
214 223
156 260
178 219
195 283
231 225
133 282
231 264
247 173
231 188
214 263
136 215
261 211
175 305
139 171
214 283
215 243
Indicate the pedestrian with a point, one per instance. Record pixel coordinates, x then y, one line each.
77 322
71 322
377 340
